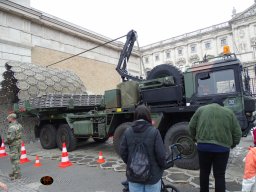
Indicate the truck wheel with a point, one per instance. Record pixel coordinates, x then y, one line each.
48 136
65 134
118 135
98 140
178 133
166 70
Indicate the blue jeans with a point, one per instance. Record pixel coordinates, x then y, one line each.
137 187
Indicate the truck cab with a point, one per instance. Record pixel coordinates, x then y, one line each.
223 77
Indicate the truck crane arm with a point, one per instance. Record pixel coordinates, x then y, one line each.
124 57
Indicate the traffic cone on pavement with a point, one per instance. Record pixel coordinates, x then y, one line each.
37 163
2 149
23 157
64 158
101 159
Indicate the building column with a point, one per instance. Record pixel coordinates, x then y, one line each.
216 45
187 59
153 59
163 56
254 52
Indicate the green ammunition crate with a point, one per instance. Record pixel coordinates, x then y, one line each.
129 93
112 98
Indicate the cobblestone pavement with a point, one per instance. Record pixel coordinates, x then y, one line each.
16 186
87 154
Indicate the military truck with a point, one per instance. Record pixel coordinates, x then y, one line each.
172 96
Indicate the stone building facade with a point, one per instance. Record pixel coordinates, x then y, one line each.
30 35
239 33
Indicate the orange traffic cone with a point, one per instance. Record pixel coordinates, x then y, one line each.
64 158
101 159
37 163
2 149
23 157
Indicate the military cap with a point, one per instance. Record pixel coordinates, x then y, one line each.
12 115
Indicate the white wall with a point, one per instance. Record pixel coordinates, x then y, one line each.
20 34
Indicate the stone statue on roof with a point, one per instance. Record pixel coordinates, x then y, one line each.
234 11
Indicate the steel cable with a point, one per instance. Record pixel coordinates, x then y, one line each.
86 50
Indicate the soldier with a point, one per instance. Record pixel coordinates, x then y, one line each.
14 142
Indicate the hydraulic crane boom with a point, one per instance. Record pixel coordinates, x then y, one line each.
124 57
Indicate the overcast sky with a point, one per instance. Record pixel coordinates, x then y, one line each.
154 20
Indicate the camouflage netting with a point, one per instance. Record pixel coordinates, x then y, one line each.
23 81
28 124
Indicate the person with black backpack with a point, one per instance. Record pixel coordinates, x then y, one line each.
143 151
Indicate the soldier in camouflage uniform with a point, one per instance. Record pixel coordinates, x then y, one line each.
14 142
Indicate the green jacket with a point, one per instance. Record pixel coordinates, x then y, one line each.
215 124
14 134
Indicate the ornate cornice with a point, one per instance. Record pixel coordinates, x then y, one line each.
243 22
199 33
251 11
194 58
181 61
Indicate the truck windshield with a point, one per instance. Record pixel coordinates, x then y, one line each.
216 82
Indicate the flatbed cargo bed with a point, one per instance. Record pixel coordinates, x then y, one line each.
60 102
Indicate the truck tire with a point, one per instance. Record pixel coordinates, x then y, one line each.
100 140
178 133
118 135
65 134
48 136
165 70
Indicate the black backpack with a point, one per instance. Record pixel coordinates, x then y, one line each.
138 166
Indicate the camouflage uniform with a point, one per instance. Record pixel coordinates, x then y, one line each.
14 142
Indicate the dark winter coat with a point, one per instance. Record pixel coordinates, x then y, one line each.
154 144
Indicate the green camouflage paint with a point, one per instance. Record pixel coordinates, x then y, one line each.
189 80
236 104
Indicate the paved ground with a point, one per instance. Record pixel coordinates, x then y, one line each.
76 178
87 175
